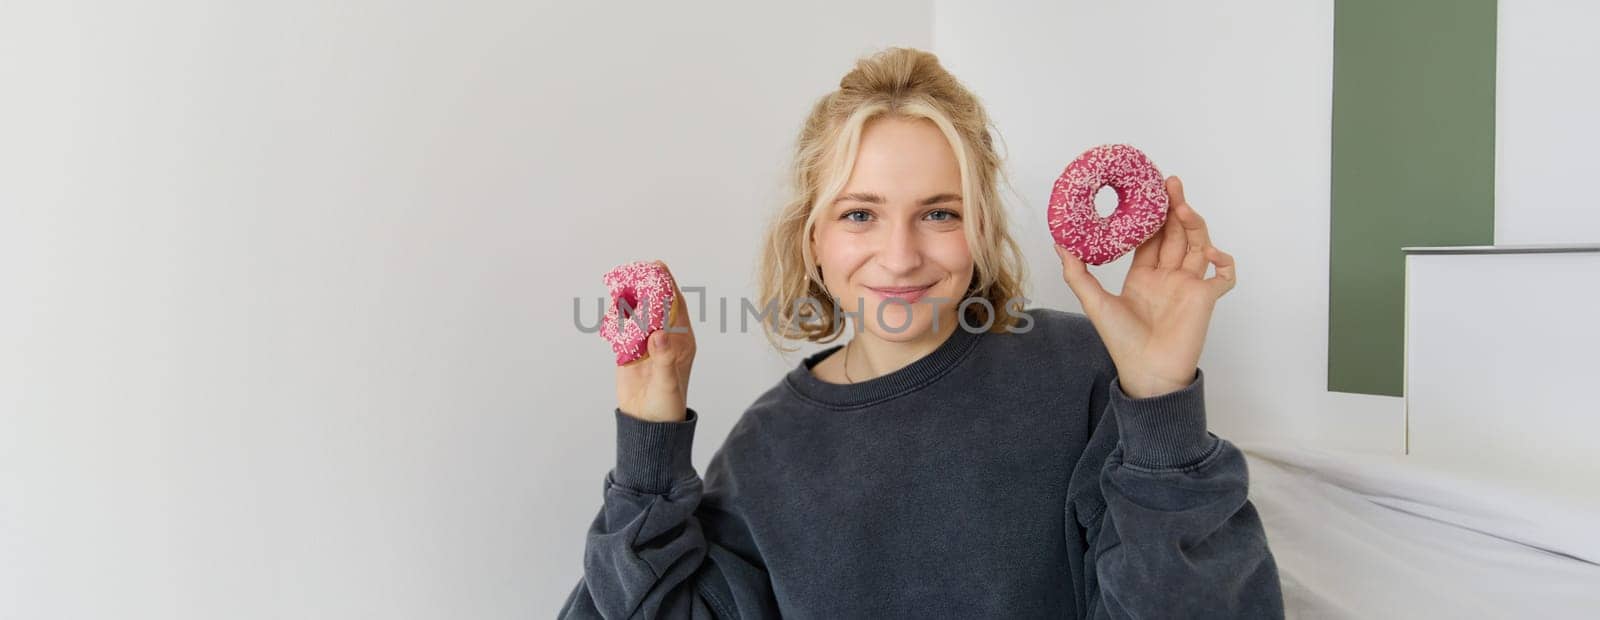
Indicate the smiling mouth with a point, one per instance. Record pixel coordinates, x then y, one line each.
909 294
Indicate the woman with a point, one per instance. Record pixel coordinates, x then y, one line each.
963 460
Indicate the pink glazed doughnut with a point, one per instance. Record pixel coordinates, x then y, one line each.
647 287
1141 203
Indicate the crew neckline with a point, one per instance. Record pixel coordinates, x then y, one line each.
877 389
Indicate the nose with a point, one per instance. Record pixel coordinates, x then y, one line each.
901 253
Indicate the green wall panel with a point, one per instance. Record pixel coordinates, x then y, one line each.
1413 165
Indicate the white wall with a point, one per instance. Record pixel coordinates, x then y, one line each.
1546 127
287 322
1235 97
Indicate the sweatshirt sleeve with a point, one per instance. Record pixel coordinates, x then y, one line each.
1160 506
665 543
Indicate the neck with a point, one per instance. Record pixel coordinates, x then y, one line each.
871 356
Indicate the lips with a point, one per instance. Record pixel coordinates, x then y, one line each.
908 294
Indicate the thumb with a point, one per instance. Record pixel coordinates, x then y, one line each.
664 364
662 351
1082 283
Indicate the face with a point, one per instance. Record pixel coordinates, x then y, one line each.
897 225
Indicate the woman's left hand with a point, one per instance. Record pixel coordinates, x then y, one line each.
1155 329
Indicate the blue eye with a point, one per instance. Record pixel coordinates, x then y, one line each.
950 216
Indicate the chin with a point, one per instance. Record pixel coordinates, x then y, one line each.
894 316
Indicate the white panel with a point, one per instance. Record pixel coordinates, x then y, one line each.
1503 353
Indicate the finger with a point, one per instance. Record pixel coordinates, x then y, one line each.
1175 190
1227 275
677 314
1083 284
1145 255
659 348
1172 241
1172 244
1196 239
664 354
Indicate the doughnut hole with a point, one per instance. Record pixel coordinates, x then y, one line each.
1105 201
627 303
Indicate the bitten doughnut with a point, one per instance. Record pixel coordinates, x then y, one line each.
1141 203
648 288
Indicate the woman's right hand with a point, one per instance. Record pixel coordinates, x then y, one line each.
656 388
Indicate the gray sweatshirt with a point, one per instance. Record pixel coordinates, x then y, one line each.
1003 475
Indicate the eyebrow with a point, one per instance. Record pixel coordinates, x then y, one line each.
872 198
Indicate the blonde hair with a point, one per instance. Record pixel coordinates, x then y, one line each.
898 82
